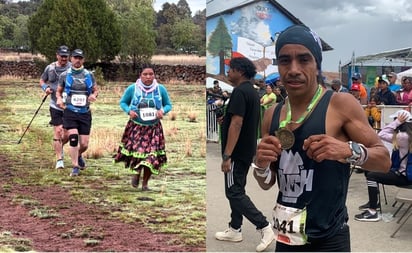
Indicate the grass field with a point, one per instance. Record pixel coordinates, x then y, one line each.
179 195
156 59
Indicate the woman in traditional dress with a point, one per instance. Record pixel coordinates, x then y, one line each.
142 148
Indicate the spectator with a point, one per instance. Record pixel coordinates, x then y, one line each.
404 95
214 94
239 138
373 91
216 88
394 87
337 86
373 112
269 98
385 95
261 87
355 91
398 132
363 94
280 91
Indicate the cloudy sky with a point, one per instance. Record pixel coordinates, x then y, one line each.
195 5
363 26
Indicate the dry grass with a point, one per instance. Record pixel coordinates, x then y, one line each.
173 116
188 147
7 56
179 59
192 116
156 59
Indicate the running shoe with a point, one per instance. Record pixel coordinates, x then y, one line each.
367 216
60 164
75 172
366 206
81 162
230 234
267 238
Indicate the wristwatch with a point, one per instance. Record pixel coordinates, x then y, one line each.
225 157
356 152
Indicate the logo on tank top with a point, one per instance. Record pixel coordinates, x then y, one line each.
293 177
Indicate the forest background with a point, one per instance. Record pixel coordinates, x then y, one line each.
106 30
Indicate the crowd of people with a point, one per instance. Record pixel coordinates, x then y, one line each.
384 92
385 88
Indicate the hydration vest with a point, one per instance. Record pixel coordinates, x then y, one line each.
68 89
69 81
137 105
138 97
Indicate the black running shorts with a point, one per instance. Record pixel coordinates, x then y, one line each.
56 117
80 121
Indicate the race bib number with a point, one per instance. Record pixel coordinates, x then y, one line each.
289 225
79 100
147 114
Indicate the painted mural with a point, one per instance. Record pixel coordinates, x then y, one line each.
249 31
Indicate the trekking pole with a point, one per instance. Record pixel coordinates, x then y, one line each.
44 99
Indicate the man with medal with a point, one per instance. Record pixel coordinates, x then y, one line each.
78 88
308 145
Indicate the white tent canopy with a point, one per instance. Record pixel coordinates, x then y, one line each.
399 75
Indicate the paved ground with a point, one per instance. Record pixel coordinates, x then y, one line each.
365 236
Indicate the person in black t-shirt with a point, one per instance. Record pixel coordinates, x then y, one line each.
239 138
386 96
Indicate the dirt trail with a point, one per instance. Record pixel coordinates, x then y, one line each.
77 227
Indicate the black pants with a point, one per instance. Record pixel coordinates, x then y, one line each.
390 178
240 203
340 242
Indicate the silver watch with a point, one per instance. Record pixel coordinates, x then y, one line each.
356 152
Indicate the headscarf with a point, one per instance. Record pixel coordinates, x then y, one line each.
147 88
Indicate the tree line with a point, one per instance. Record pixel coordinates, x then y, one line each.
104 29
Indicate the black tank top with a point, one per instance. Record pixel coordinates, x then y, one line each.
320 187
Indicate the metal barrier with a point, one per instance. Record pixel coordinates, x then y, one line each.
387 110
212 125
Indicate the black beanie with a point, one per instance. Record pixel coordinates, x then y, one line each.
302 35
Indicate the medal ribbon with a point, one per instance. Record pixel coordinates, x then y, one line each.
315 99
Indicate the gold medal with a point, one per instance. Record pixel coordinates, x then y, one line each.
286 138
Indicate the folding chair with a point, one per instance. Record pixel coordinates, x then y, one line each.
404 196
402 204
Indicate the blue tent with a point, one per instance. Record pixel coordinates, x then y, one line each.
272 78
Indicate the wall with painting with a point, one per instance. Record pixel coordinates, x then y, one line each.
249 30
